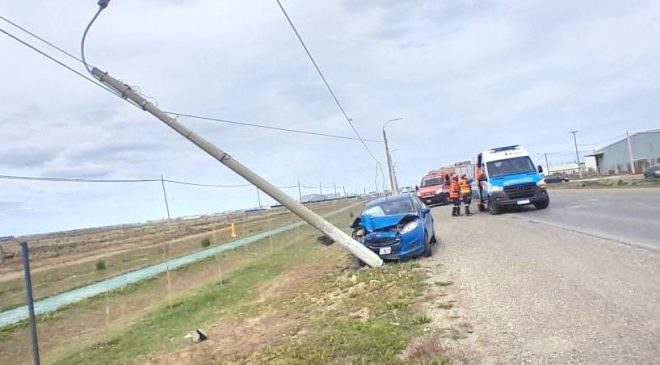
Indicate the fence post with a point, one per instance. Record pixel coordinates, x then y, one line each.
167 245
30 302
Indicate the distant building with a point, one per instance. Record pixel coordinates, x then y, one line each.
591 163
565 168
615 159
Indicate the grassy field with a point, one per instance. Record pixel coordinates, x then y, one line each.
116 253
288 300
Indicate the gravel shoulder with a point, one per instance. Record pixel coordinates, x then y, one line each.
540 294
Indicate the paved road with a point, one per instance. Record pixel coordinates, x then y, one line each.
535 293
626 215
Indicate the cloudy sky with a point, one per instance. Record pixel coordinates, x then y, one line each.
464 75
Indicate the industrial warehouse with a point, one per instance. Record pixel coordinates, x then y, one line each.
643 148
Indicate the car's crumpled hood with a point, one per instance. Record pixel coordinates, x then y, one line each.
372 224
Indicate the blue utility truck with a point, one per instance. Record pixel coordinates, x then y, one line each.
508 179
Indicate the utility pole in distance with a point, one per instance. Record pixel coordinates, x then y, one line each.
299 192
630 154
577 154
393 184
339 236
547 165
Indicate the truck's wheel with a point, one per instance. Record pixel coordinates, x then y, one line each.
544 203
482 207
493 208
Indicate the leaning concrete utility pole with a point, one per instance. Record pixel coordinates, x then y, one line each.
577 154
632 161
339 236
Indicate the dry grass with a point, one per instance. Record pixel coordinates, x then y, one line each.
84 323
63 261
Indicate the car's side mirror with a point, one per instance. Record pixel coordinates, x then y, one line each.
540 168
425 211
416 188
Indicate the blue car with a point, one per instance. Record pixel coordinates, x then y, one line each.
396 227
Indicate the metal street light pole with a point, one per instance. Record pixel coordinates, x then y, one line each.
630 154
393 184
577 154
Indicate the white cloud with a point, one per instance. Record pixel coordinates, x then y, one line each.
464 75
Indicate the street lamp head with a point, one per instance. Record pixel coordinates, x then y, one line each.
390 121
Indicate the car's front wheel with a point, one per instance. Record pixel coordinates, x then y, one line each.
428 251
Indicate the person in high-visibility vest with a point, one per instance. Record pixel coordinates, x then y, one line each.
466 193
480 179
455 196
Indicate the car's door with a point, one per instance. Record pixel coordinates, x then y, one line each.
428 218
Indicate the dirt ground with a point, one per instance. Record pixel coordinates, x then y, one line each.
537 294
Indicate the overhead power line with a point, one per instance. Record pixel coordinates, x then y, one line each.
42 39
116 181
74 179
327 85
62 64
220 120
267 126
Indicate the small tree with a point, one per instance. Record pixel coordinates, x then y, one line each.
100 265
206 242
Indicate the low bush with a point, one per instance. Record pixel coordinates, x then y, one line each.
101 265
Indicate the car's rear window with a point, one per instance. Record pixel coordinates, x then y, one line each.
401 206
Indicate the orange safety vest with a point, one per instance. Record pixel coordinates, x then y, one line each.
466 189
480 174
454 189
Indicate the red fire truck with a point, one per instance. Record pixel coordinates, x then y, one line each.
434 188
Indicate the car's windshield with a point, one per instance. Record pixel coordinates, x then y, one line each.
388 207
517 165
432 181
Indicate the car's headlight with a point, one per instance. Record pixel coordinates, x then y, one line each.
419 194
497 188
438 192
541 183
409 227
